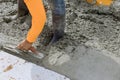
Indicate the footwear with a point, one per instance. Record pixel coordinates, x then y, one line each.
58 27
22 11
8 19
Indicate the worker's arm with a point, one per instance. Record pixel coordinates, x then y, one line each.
38 14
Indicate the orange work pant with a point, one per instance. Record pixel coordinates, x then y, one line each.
37 11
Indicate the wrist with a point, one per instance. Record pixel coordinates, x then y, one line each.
28 41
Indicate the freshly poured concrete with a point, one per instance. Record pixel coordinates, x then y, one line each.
85 64
88 64
89 25
13 68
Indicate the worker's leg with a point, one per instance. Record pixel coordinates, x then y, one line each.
58 16
37 12
21 11
22 8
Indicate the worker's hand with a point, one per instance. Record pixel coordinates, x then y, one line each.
26 46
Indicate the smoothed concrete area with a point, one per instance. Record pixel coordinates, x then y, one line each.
88 64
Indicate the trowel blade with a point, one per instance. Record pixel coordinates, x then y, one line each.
29 56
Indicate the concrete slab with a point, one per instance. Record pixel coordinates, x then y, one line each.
88 64
14 68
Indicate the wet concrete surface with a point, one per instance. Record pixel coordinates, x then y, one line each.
88 64
88 25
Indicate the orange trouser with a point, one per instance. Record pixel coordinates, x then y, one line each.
37 11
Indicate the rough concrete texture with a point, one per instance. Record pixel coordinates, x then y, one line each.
86 24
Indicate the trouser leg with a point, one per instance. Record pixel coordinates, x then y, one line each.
58 19
22 8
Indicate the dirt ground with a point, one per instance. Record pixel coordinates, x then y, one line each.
86 24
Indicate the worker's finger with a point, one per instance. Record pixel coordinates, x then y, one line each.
19 46
32 49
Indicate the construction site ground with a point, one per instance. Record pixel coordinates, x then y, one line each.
89 50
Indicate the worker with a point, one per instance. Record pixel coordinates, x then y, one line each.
37 11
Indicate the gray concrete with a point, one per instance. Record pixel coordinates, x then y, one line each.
88 64
84 22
